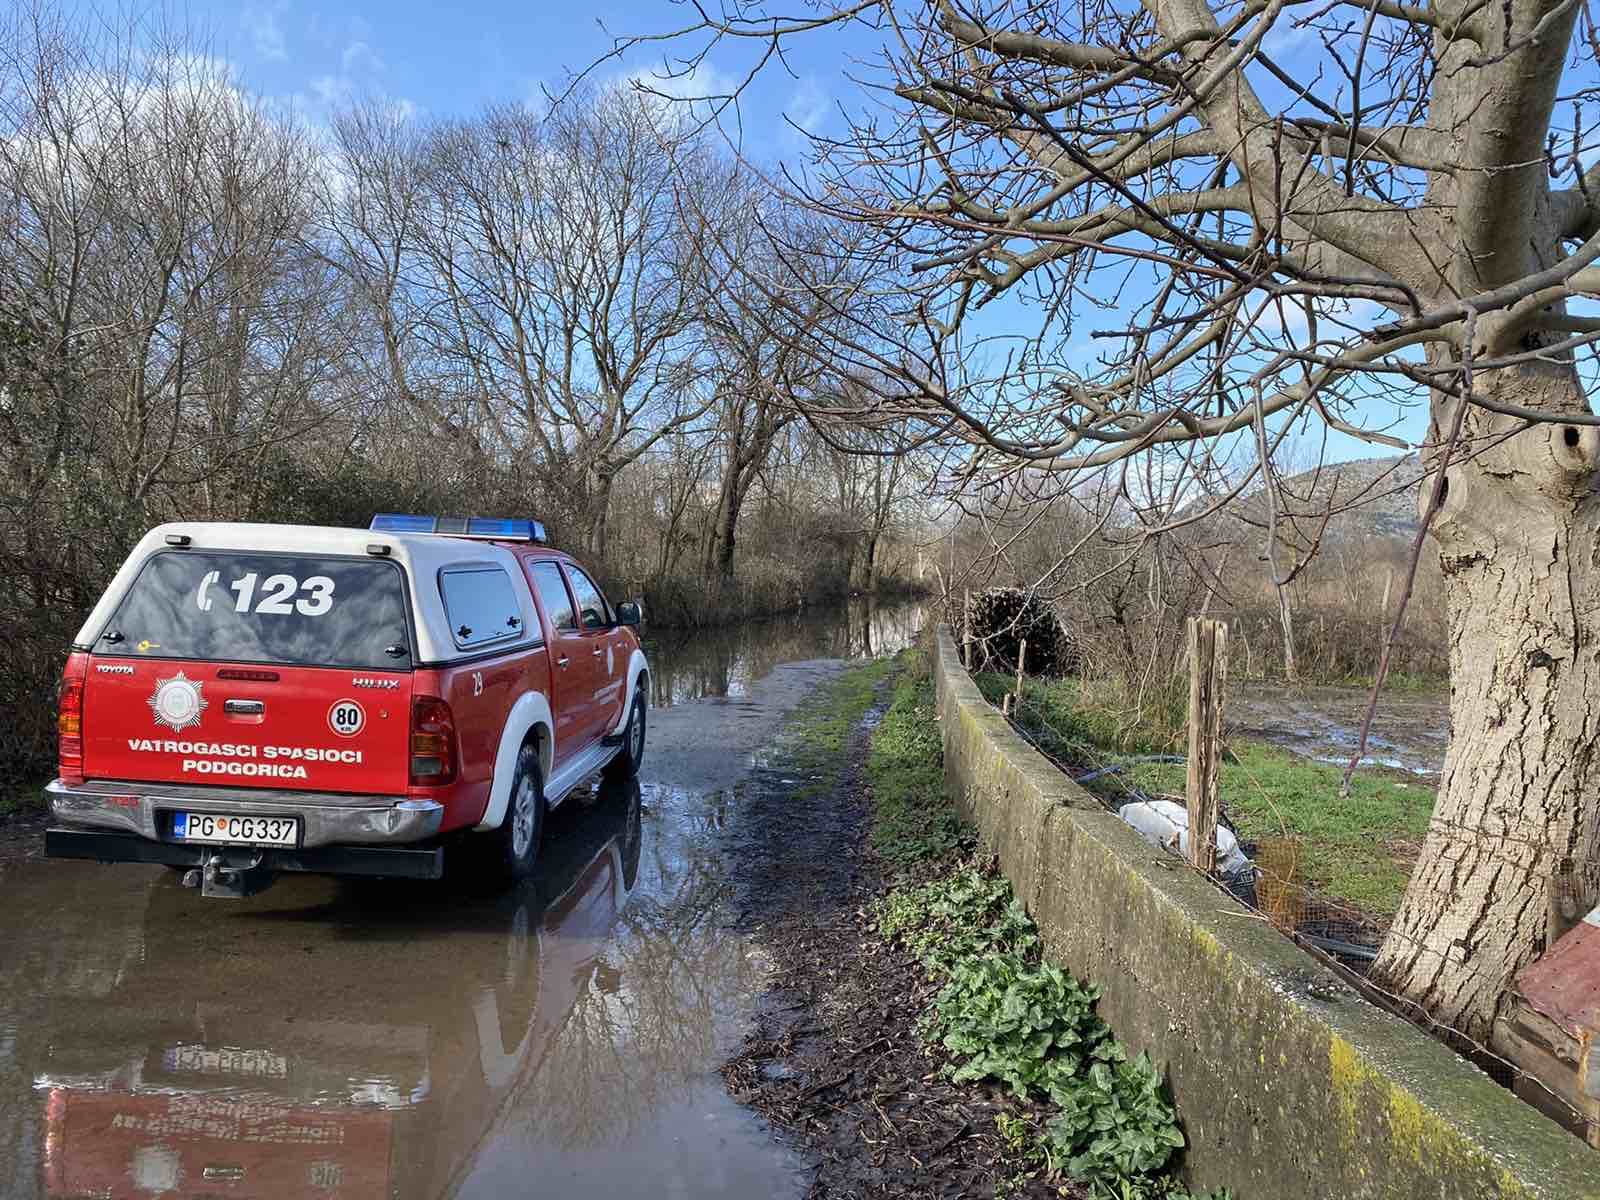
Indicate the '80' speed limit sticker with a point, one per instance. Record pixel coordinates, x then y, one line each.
346 718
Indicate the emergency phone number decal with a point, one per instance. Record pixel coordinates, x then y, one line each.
279 594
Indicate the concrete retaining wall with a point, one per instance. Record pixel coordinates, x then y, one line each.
1288 1084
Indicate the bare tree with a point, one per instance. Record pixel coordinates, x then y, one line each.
762 374
1266 215
208 310
565 269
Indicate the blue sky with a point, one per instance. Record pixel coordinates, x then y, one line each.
445 62
442 62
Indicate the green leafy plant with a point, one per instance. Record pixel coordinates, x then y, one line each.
1002 1013
1033 1029
1151 1187
1115 1122
957 918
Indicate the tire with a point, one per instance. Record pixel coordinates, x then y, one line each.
514 847
626 765
632 837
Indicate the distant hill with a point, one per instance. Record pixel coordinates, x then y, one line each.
1377 498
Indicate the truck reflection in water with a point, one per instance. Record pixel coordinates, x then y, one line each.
385 1080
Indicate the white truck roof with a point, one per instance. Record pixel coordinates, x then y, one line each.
421 555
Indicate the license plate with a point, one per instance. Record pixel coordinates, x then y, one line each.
248 831
226 1060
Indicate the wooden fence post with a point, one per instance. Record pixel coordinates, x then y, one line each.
1022 657
1208 676
966 629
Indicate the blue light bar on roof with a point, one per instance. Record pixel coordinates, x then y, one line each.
500 529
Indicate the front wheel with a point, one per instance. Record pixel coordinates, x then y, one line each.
626 765
514 847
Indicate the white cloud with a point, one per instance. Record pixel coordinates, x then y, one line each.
333 91
359 67
1285 41
260 21
1337 318
358 57
809 105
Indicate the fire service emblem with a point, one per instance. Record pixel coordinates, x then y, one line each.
177 702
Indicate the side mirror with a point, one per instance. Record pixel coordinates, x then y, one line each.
630 612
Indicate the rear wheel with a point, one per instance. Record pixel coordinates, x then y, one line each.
514 847
626 765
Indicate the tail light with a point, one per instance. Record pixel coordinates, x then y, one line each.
433 742
69 722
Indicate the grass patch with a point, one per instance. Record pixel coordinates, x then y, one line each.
912 819
1358 849
1079 722
1351 848
813 741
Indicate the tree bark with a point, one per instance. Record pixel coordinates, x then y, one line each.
1291 671
1517 806
729 503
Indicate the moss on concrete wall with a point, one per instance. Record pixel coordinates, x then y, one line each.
1288 1083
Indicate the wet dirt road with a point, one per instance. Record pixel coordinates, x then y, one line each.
348 1040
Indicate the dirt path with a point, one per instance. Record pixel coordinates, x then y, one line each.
834 1060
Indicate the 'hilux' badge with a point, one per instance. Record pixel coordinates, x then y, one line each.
371 681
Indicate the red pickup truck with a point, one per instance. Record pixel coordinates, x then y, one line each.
249 699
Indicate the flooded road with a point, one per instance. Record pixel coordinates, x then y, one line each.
725 662
337 1039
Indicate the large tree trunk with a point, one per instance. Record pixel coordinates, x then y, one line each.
599 514
1518 804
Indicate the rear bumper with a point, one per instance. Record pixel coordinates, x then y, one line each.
388 861
145 810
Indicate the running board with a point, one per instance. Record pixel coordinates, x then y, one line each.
570 774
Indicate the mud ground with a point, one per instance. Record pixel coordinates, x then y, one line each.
1409 730
834 1061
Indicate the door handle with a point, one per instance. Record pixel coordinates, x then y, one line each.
598 652
562 662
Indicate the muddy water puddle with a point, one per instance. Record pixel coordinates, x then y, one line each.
1409 730
376 1040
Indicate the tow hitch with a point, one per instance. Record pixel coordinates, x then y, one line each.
230 881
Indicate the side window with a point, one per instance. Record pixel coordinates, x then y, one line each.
480 604
592 607
553 596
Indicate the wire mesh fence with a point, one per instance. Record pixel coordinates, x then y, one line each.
1277 889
